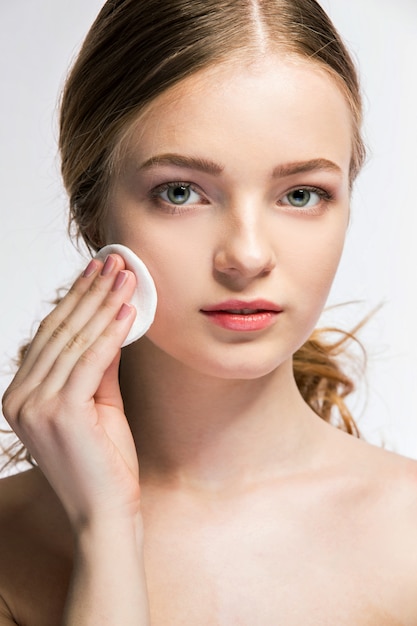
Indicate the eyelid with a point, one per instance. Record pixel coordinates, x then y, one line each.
172 207
326 197
312 188
176 183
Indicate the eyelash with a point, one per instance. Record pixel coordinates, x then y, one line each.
326 199
173 209
177 209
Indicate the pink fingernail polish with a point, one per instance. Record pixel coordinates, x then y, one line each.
90 269
120 280
124 312
108 266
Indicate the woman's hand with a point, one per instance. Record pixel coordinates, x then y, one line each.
65 404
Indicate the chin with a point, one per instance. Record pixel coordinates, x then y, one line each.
247 361
241 369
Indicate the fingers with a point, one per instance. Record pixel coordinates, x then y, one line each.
94 306
65 402
80 367
64 324
52 325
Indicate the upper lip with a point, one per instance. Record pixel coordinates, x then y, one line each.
243 305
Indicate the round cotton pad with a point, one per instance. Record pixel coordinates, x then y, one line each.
144 298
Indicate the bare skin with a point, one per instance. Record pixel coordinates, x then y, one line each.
331 547
249 509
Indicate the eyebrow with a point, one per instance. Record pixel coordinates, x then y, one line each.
191 163
215 169
300 167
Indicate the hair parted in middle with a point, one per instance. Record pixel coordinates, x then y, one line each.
134 52
137 50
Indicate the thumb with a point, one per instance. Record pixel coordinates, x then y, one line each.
118 430
108 392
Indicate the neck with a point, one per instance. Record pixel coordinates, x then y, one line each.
201 432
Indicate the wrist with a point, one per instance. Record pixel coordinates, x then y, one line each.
109 531
108 575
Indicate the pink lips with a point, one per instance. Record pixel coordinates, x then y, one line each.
240 315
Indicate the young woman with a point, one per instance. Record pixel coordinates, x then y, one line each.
219 140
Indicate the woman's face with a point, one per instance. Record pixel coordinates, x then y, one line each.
234 190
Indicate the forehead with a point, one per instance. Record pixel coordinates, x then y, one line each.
278 107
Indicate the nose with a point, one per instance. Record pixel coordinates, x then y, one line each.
245 249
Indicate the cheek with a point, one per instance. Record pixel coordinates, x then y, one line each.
312 259
313 253
177 262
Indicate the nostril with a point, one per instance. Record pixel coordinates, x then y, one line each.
244 263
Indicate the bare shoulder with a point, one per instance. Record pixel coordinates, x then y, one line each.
396 476
35 546
393 476
385 498
370 510
19 494
386 479
16 490
23 498
16 493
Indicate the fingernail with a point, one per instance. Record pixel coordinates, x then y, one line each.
90 269
120 280
108 266
124 312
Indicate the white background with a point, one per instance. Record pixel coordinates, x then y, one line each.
38 40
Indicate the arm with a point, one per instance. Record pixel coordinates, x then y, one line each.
65 405
108 585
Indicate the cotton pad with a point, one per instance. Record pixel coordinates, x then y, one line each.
144 297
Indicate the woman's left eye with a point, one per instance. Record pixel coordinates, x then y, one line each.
305 197
177 194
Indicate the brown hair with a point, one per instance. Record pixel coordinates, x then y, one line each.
135 51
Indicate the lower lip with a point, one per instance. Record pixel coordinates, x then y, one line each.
242 323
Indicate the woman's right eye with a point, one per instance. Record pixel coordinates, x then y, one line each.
177 194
